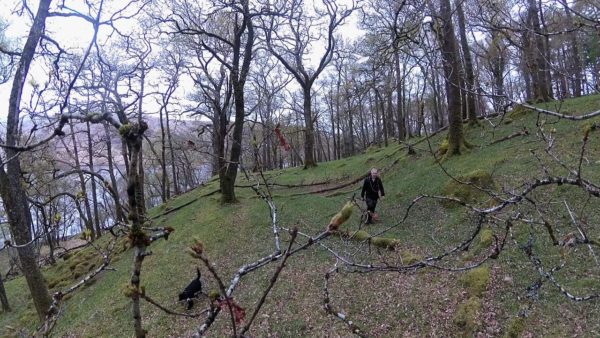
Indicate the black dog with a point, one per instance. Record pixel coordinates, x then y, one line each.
192 291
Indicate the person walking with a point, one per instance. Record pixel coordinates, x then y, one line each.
372 191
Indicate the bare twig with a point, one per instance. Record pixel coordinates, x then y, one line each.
294 233
582 233
224 294
550 277
331 310
171 312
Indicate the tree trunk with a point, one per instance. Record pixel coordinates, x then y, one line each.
3 297
435 115
276 159
469 73
238 76
47 229
497 65
11 189
191 181
164 177
140 166
133 138
443 118
119 213
575 59
86 202
219 133
546 57
309 133
401 119
332 116
536 55
94 188
562 77
526 67
390 106
175 180
451 64
319 143
383 118
338 106
363 130
267 131
231 168
374 103
350 131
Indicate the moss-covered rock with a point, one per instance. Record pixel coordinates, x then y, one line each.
469 193
77 266
466 315
385 243
519 111
409 258
444 146
515 327
486 238
359 235
362 236
58 283
476 280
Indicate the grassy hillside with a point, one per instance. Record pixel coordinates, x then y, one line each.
500 298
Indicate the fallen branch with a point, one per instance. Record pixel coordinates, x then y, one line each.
54 310
528 248
562 116
332 311
523 132
185 204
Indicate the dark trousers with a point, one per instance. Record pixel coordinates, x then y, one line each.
371 204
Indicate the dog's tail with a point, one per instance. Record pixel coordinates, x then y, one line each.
198 272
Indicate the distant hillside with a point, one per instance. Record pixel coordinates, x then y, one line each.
506 295
186 127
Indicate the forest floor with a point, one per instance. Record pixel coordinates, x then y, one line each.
503 297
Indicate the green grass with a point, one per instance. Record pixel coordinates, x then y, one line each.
426 302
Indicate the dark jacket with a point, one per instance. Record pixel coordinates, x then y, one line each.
371 188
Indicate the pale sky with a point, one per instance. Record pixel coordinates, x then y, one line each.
74 33
70 33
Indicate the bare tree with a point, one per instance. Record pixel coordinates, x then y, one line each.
214 102
172 68
268 93
87 216
451 62
289 37
535 55
12 192
232 45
